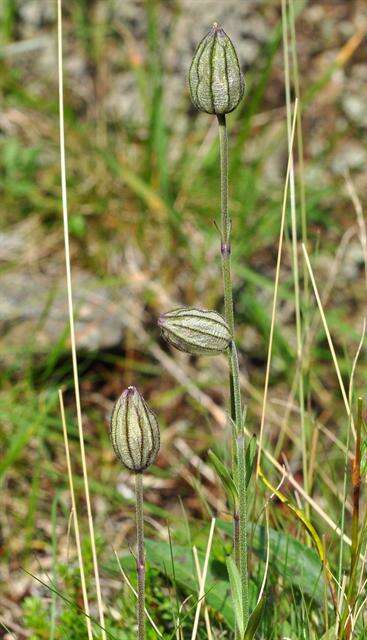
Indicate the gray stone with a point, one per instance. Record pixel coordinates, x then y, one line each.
354 106
34 311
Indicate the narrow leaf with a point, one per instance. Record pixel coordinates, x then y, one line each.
224 476
254 620
250 459
235 582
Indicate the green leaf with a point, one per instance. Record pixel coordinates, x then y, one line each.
250 459
298 565
236 590
217 588
224 475
254 620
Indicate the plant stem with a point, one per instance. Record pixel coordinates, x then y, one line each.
225 224
236 426
240 516
140 559
243 541
242 487
235 377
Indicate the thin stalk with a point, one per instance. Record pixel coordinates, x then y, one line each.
330 342
54 560
71 320
76 520
356 533
225 224
225 249
346 463
300 146
203 581
356 483
342 521
295 256
243 528
235 375
275 295
140 558
239 520
240 515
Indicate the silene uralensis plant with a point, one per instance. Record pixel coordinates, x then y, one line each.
135 437
217 87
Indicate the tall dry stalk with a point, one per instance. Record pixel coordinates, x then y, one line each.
71 320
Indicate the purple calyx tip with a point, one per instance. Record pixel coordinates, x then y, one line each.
216 27
130 390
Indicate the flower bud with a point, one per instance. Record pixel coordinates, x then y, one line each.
134 431
195 331
215 78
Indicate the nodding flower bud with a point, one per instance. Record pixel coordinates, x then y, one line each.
216 81
134 431
195 331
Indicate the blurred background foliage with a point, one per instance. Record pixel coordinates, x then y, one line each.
142 170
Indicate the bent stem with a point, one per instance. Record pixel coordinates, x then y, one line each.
140 559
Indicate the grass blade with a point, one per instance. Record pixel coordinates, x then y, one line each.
71 315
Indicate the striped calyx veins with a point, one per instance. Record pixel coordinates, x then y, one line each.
195 331
134 431
216 81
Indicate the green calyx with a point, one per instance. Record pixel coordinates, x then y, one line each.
134 431
195 331
216 81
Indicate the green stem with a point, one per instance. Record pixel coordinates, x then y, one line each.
225 224
235 376
240 515
236 427
243 542
140 559
242 487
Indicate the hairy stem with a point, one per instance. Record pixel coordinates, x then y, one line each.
242 487
240 516
140 558
243 541
225 224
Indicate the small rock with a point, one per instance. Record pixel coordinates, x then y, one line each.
34 312
35 13
354 106
352 155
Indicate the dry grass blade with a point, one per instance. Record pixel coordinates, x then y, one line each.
75 518
200 578
276 287
295 267
263 584
328 336
203 580
71 315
